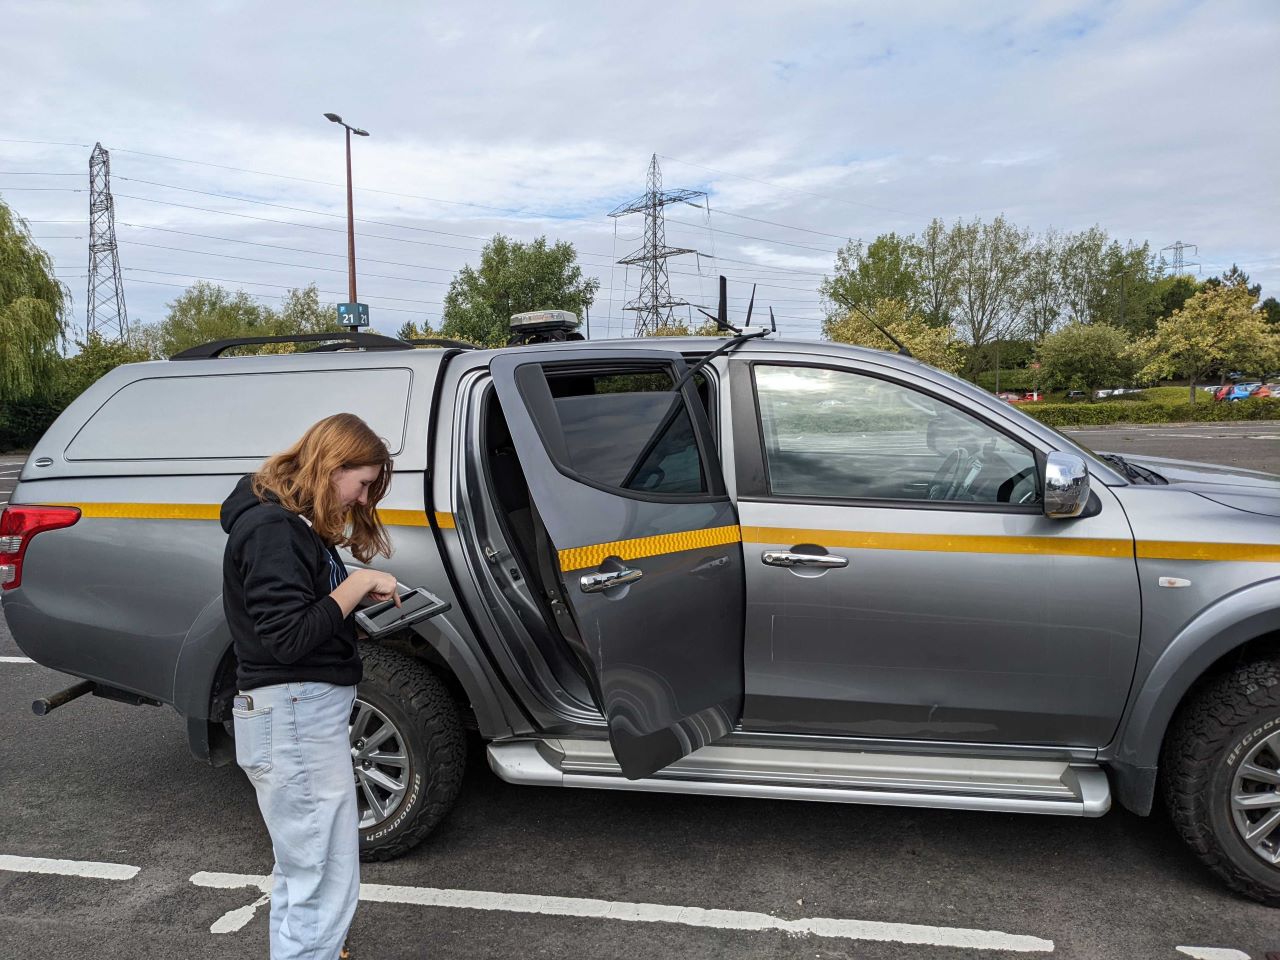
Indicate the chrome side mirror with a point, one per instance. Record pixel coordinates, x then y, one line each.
1066 486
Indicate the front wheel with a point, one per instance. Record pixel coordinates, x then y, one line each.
1221 770
408 752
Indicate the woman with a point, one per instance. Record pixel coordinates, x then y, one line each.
288 601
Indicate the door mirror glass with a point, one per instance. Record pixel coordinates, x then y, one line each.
1066 485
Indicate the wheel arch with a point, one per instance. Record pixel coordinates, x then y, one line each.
1240 626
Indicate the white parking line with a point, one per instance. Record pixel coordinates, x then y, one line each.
69 868
1213 953
642 913
16 660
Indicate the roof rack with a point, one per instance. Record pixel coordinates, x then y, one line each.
369 341
441 342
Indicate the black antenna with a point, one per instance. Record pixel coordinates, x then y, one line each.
871 320
723 320
751 305
773 324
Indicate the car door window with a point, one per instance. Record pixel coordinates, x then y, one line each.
624 430
838 434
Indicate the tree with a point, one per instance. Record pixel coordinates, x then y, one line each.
202 313
1270 308
302 312
885 269
937 346
1084 356
94 358
33 312
1217 327
1042 294
1235 277
409 330
990 259
1084 275
512 278
205 312
935 260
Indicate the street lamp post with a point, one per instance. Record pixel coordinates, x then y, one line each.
355 313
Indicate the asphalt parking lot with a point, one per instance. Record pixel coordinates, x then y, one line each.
155 855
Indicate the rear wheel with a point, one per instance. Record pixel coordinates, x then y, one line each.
1221 770
407 752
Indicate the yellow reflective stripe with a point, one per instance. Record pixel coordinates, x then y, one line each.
942 542
210 511
576 558
444 520
147 511
1184 550
403 518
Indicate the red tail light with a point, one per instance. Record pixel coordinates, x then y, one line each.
18 525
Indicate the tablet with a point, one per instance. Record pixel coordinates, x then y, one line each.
385 617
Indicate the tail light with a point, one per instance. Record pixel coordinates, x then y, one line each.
18 524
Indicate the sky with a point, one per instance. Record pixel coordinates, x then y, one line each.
807 124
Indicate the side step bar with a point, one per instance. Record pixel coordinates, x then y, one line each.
957 783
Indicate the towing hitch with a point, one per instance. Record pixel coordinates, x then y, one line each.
42 706
45 704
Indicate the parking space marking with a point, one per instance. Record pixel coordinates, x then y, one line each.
648 913
16 660
68 868
1214 953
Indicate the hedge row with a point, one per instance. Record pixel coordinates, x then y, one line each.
1099 414
21 425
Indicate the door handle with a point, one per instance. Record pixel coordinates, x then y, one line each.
785 558
608 579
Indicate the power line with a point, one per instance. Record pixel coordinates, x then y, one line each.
778 186
516 212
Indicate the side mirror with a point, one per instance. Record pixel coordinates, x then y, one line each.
1066 486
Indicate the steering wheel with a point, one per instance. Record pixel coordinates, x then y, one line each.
949 475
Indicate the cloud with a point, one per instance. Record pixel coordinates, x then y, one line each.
1148 119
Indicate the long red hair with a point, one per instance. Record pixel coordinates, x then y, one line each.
301 479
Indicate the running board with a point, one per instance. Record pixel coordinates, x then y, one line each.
957 783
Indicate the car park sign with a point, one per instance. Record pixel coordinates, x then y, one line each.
353 314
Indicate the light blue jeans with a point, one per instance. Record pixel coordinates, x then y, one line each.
293 746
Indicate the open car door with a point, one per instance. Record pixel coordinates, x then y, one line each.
624 474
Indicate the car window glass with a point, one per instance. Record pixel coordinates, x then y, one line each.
835 433
628 430
237 416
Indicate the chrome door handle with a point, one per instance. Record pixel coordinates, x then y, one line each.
785 558
606 580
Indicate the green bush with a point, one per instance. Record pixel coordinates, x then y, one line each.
22 424
1098 414
1011 378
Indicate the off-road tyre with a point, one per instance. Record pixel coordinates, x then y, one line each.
419 705
1208 742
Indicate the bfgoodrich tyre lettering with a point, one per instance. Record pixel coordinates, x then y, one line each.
406 695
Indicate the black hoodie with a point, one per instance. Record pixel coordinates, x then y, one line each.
276 579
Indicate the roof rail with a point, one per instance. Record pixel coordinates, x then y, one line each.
369 341
442 342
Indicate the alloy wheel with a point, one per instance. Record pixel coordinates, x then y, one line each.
380 762
1255 799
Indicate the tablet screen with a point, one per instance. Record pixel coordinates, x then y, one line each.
410 603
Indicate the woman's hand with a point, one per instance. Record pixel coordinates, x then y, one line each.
363 583
382 586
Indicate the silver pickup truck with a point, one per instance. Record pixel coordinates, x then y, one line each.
795 570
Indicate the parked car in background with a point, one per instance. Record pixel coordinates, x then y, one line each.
1076 395
1009 396
1266 390
1241 391
1220 393
1033 397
